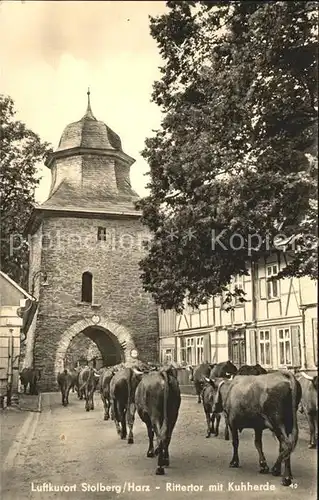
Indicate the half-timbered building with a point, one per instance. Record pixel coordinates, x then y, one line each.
276 326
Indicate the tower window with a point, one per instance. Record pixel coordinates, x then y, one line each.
87 287
101 233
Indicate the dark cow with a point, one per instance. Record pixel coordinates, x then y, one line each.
158 399
122 392
309 403
225 369
75 376
198 374
262 402
65 382
251 370
208 398
105 381
87 381
30 376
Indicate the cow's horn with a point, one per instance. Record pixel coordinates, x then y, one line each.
305 375
137 372
207 379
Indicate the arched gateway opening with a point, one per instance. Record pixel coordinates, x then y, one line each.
94 346
111 340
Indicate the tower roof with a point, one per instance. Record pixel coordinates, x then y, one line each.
89 133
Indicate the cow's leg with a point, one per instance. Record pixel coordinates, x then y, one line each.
209 423
92 399
235 459
87 402
166 443
123 424
226 430
312 430
130 415
25 388
150 452
116 418
284 454
160 462
218 417
106 407
67 396
198 391
264 469
286 480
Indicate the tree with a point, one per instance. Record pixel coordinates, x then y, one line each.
234 161
20 151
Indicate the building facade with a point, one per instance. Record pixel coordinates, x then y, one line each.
16 307
86 243
276 326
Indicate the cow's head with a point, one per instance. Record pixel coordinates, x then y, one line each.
230 369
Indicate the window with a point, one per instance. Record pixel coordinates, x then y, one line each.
167 356
264 348
87 287
192 350
238 282
284 342
101 233
272 283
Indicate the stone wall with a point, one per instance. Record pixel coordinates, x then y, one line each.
71 249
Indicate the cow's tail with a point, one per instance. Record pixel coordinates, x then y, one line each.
164 427
294 393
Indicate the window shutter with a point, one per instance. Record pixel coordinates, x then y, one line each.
262 288
315 340
253 345
295 345
206 348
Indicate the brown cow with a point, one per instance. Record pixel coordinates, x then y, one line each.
87 381
262 402
157 400
122 392
309 403
65 382
251 370
30 377
198 374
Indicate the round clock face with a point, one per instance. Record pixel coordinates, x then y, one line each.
95 319
134 353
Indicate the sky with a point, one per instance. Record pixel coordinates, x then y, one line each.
52 51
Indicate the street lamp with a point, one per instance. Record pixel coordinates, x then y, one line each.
45 280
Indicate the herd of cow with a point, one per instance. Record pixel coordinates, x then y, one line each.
249 398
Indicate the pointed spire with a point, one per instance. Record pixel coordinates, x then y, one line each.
89 113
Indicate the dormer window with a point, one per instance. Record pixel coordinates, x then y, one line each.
101 233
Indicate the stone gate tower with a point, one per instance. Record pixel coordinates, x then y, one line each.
86 242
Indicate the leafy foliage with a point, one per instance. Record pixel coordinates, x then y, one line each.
235 152
20 151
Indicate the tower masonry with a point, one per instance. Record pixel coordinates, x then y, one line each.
86 242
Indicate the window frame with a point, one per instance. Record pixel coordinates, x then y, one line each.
238 282
192 352
270 281
101 230
283 341
263 342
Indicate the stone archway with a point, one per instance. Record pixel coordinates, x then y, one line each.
117 331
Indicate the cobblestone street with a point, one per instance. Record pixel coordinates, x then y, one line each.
78 450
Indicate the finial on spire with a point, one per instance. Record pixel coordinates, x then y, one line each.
89 113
